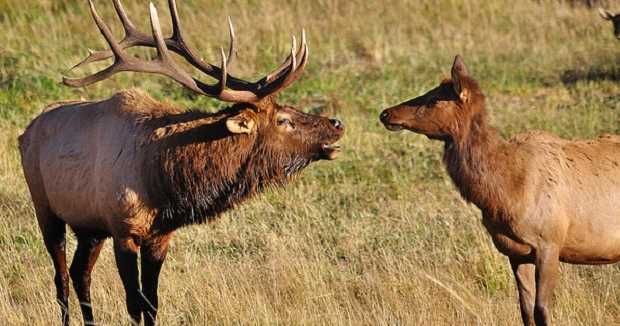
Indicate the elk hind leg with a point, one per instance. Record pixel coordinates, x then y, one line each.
54 231
88 249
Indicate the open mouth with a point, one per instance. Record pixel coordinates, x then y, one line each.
393 127
330 151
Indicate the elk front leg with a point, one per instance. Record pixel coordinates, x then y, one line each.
547 270
152 256
127 264
525 276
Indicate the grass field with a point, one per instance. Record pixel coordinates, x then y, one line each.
379 236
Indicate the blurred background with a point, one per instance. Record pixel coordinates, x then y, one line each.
379 236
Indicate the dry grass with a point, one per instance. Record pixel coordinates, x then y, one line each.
377 237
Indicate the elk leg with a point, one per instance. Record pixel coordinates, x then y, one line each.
84 259
127 264
525 276
547 270
53 229
152 256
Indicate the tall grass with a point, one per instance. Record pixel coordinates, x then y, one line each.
377 237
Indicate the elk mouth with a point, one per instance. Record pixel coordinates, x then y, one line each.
392 126
329 151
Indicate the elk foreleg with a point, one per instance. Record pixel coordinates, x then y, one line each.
127 264
152 256
525 276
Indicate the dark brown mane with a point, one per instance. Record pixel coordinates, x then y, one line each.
199 173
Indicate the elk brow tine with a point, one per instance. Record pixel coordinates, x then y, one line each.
98 76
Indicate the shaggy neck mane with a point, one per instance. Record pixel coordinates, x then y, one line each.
471 158
197 169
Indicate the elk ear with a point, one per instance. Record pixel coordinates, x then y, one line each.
242 123
459 71
605 14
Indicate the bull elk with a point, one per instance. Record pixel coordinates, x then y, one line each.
543 199
613 18
135 169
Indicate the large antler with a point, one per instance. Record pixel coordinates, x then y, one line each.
240 90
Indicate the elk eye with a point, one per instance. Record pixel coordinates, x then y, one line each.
285 122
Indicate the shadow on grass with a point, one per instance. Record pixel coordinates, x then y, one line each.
572 76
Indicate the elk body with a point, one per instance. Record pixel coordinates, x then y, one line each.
135 169
613 18
543 199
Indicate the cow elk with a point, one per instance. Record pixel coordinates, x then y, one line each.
543 199
135 169
613 18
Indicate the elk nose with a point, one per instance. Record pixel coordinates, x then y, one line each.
384 116
337 123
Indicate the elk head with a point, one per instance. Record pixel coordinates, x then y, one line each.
442 113
614 18
255 111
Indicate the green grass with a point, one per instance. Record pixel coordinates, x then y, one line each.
379 236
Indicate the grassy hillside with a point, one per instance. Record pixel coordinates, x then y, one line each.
379 236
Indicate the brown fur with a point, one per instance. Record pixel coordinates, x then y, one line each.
136 169
543 199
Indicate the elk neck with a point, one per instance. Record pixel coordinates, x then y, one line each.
473 160
200 171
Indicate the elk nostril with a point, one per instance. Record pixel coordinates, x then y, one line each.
337 123
384 115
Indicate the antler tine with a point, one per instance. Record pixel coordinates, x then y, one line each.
222 82
132 37
115 51
280 70
170 69
167 66
232 50
163 65
291 73
128 26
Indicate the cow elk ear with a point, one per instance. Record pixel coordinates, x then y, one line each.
459 71
242 123
605 14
